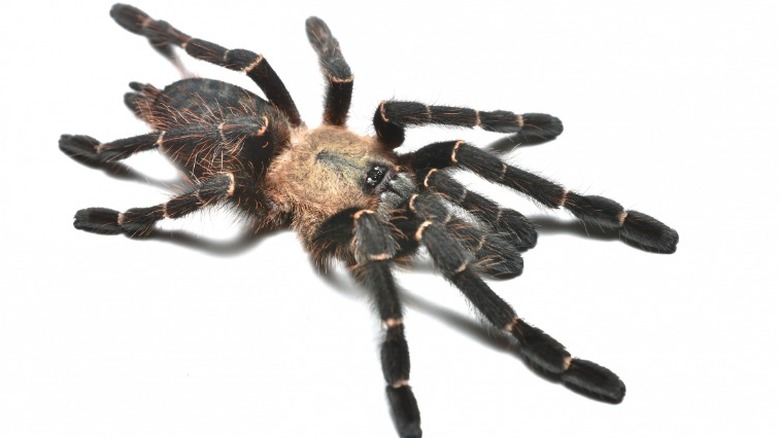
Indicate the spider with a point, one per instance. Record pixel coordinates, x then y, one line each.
350 197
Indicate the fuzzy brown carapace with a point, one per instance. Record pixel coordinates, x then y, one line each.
323 172
351 197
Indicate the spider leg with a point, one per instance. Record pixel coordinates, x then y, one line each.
635 228
510 224
140 100
140 221
91 152
178 141
335 69
163 37
544 352
373 249
392 117
493 254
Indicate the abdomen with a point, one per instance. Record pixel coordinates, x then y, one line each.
208 126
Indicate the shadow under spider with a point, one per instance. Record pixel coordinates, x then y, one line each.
216 247
122 171
573 227
511 142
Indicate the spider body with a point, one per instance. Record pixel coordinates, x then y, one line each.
351 197
209 128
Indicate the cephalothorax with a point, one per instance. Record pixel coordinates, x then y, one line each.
351 197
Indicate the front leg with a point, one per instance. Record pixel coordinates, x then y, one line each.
393 116
373 250
635 228
540 349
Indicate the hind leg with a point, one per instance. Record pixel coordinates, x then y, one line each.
141 100
140 221
635 228
92 152
164 37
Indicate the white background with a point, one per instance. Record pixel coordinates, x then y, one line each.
669 107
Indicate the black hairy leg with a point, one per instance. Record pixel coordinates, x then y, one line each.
493 253
509 224
338 95
176 141
374 249
163 37
635 228
541 350
92 152
137 222
393 116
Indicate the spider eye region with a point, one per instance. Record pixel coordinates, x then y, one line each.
375 175
361 172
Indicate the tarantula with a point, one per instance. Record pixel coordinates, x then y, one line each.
351 197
